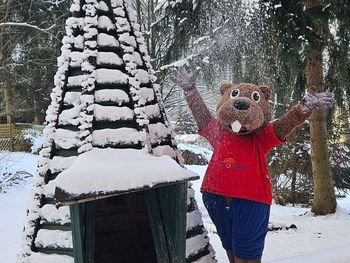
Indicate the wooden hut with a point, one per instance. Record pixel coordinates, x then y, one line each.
105 99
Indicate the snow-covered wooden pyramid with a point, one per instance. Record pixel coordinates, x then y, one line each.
105 98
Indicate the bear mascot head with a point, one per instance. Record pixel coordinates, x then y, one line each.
244 108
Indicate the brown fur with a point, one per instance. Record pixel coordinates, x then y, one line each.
253 119
198 108
285 125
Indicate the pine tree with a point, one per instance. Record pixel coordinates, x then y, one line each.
324 199
303 30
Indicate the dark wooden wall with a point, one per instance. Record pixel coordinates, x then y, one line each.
123 233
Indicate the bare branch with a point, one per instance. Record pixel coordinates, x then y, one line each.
15 24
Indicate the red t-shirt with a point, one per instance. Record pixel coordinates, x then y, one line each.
238 166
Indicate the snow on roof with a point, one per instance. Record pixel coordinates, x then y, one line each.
105 137
111 76
106 171
108 58
105 95
104 39
110 113
118 96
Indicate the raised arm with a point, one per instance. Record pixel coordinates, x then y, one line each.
186 80
296 116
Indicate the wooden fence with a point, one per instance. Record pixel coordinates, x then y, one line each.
8 133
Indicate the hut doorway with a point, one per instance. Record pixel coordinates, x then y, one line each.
123 231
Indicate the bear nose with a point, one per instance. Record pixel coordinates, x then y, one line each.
241 105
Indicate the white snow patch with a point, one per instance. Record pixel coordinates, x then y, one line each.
280 245
111 76
115 136
142 76
105 40
158 132
122 24
54 239
135 58
103 6
109 58
35 136
147 94
195 244
332 255
76 58
116 3
111 95
152 111
195 149
112 113
127 39
194 219
49 258
106 170
119 11
70 116
178 64
201 39
72 98
13 203
164 150
51 214
76 80
66 139
58 163
104 22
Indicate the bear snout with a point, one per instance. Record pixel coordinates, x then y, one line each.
241 105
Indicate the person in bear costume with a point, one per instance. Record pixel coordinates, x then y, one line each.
236 189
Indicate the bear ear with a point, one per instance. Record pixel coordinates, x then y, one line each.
266 91
224 86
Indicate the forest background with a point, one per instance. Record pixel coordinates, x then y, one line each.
287 45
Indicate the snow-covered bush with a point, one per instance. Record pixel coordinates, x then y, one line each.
290 169
21 143
10 177
32 140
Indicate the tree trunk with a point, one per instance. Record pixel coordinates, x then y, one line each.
292 197
38 118
138 11
7 98
4 53
149 22
324 196
346 124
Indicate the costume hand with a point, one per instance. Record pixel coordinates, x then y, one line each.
185 79
322 100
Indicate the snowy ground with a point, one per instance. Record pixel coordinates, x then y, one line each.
329 236
13 204
313 234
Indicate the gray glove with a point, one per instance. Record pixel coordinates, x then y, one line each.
185 79
322 100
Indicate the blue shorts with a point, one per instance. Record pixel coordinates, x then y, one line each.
241 225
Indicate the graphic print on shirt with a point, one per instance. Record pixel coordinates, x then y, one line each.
230 163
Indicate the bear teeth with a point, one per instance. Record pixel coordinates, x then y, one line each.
236 126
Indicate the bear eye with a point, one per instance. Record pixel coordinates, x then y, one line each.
234 93
256 96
